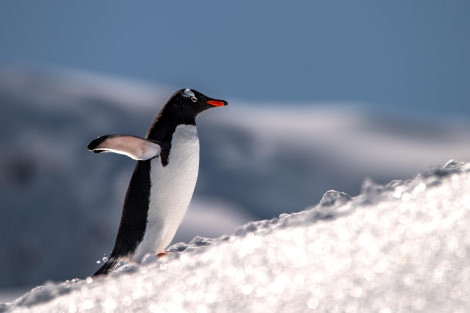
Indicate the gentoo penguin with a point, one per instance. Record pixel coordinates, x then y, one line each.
164 177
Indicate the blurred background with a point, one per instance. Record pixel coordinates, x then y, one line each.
321 96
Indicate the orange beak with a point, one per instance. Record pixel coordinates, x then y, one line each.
217 103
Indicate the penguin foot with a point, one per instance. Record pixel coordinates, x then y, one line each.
162 254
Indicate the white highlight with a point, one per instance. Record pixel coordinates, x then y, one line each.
171 191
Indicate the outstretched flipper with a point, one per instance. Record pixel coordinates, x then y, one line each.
134 147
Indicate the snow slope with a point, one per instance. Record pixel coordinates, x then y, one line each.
60 204
403 247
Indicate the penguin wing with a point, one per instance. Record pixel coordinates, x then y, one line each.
134 147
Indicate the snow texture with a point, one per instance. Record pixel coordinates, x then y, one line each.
401 247
258 160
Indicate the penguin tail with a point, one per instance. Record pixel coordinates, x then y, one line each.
107 267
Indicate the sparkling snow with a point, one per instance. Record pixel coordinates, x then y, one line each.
258 160
402 247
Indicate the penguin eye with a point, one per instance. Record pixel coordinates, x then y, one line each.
193 99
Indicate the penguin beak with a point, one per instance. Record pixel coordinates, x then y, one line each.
216 103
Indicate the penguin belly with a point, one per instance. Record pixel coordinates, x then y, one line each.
171 190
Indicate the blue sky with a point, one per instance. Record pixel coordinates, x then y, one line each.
394 54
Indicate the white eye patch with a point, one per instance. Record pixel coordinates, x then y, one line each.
188 93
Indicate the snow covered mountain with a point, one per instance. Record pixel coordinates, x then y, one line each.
60 205
403 247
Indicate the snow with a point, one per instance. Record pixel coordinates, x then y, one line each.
400 247
60 205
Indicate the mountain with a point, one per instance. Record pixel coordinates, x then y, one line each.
60 205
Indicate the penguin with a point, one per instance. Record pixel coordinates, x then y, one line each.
164 177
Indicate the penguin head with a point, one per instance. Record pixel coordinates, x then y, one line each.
182 108
189 102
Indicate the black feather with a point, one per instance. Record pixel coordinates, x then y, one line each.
95 143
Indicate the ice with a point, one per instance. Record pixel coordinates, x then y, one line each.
400 247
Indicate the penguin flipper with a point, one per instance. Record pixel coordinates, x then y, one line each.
134 147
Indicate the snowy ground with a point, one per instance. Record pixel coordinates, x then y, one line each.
60 204
403 247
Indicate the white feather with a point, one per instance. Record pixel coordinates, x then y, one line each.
171 191
188 93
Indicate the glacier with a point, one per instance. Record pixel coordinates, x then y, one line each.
399 247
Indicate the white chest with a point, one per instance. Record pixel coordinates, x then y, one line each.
171 191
